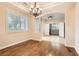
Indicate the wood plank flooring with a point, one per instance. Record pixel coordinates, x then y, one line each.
36 48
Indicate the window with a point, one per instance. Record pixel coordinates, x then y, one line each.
22 23
26 23
10 23
17 23
37 25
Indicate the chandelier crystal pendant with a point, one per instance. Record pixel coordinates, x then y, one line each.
35 10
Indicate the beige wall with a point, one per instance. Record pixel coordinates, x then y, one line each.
77 27
70 25
7 38
34 35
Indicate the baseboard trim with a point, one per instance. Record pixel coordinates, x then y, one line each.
77 50
13 44
17 43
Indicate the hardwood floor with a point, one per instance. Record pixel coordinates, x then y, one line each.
36 48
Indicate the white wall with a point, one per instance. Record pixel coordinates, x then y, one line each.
46 29
69 11
70 25
8 39
77 27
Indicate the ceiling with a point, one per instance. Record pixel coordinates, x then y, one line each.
47 7
43 5
40 4
55 16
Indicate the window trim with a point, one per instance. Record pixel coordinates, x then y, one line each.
15 31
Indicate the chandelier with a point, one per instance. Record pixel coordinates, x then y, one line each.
35 10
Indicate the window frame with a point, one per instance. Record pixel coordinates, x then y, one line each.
15 31
37 22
